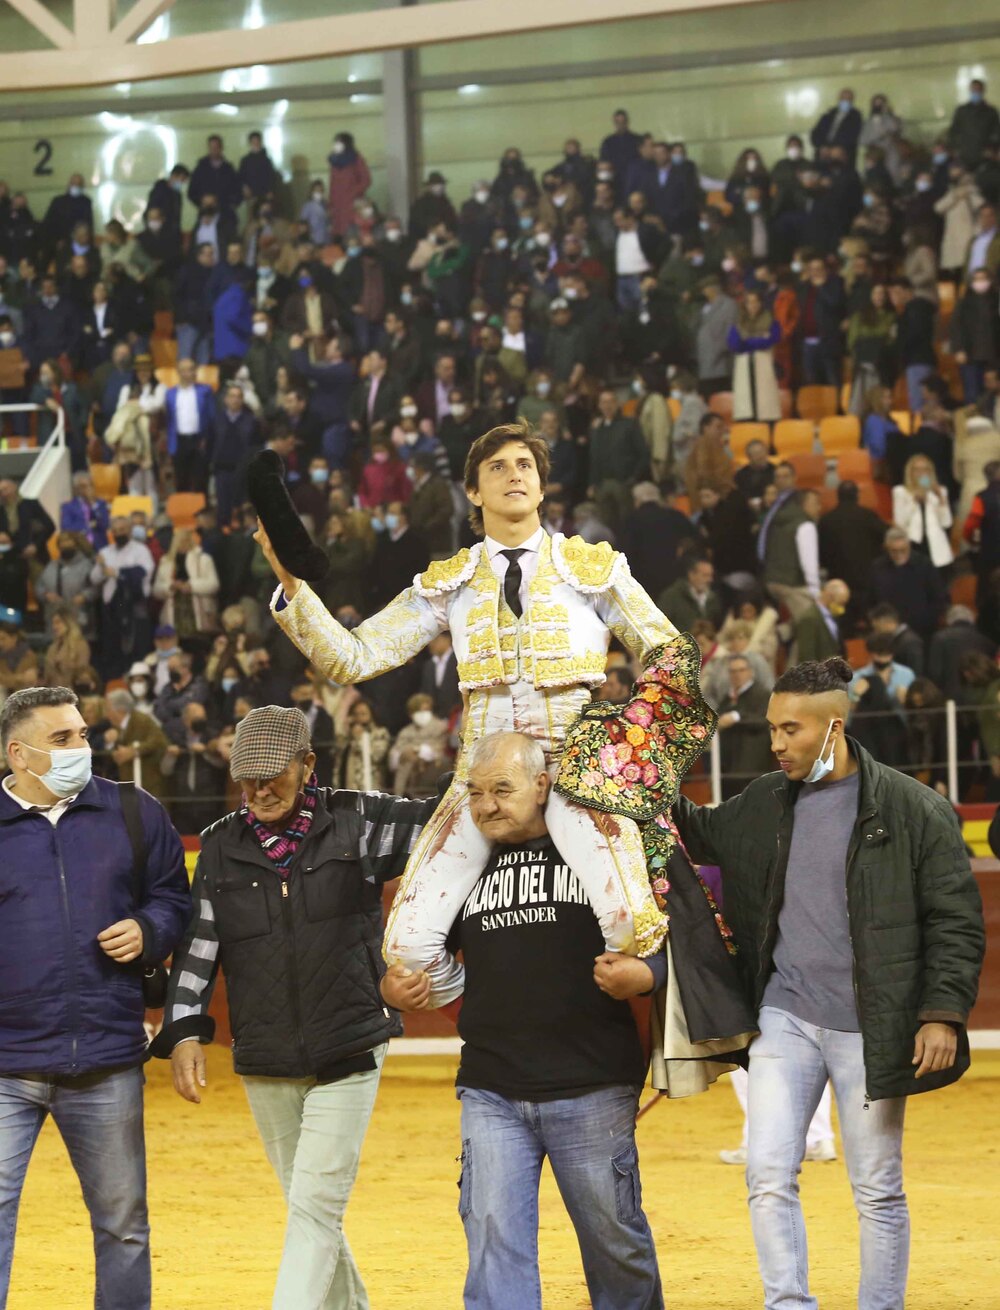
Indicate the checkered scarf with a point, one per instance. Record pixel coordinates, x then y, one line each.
280 847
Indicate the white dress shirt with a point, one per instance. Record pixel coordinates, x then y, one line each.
53 812
629 259
528 561
188 423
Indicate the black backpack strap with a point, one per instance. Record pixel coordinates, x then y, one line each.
136 835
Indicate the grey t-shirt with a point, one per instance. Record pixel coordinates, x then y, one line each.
813 966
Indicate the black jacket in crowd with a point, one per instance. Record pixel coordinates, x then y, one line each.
301 955
914 907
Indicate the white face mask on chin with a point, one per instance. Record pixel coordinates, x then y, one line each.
823 768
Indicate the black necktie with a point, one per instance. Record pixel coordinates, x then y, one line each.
512 581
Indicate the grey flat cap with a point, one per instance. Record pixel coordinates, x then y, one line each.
267 741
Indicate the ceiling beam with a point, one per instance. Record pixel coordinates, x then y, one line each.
43 21
338 34
91 21
140 17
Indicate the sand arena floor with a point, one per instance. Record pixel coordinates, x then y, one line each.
217 1213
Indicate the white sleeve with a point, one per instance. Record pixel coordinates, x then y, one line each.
807 545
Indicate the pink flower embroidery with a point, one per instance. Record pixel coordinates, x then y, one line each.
593 778
610 762
650 775
632 773
640 712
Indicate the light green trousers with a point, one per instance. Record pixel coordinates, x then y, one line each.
313 1134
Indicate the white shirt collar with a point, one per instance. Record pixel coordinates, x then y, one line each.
534 544
53 812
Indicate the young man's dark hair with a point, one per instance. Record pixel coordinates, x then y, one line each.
847 493
883 611
815 677
486 446
880 643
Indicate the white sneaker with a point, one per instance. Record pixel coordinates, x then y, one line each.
824 1151
739 1156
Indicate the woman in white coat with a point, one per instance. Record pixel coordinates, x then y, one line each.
752 340
188 585
920 507
958 206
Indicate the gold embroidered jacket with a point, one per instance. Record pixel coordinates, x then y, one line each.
579 596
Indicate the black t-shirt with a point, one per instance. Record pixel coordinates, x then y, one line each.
535 1025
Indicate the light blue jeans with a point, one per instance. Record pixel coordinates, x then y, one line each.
313 1134
789 1064
590 1144
99 1117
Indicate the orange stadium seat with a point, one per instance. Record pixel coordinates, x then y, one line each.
810 470
182 506
794 436
208 373
107 480
164 352
839 432
854 466
816 402
168 376
903 420
132 505
674 405
741 434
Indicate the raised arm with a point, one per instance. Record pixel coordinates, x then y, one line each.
385 641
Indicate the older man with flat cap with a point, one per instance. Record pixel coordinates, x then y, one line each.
288 896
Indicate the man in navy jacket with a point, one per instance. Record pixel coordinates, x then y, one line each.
73 940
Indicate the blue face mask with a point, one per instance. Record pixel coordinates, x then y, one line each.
975 97
821 768
69 771
305 281
352 251
845 105
138 532
526 222
378 525
392 522
320 475
940 157
228 684
752 206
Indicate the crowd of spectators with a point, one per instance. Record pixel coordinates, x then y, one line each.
630 307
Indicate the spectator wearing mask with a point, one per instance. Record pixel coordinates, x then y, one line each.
364 759
619 149
193 771
687 424
66 212
72 1043
974 126
654 536
187 584
718 315
693 597
418 756
882 130
840 126
431 207
433 395
377 395
266 353
958 208
878 687
907 579
915 330
266 685
871 335
190 408
136 742
311 313
430 507
315 214
617 459
257 174
400 553
975 333
166 197
182 690
140 684
751 340
907 646
64 582
817 631
920 507
158 660
52 327
458 430
745 743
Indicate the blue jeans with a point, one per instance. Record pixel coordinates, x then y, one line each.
194 344
973 376
915 374
789 1064
99 1117
628 291
818 367
590 1143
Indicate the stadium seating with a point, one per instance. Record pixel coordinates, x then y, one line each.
854 466
722 404
182 506
816 402
132 505
794 436
107 480
839 432
741 434
810 470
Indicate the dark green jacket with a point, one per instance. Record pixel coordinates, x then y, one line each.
915 912
677 602
815 641
781 556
